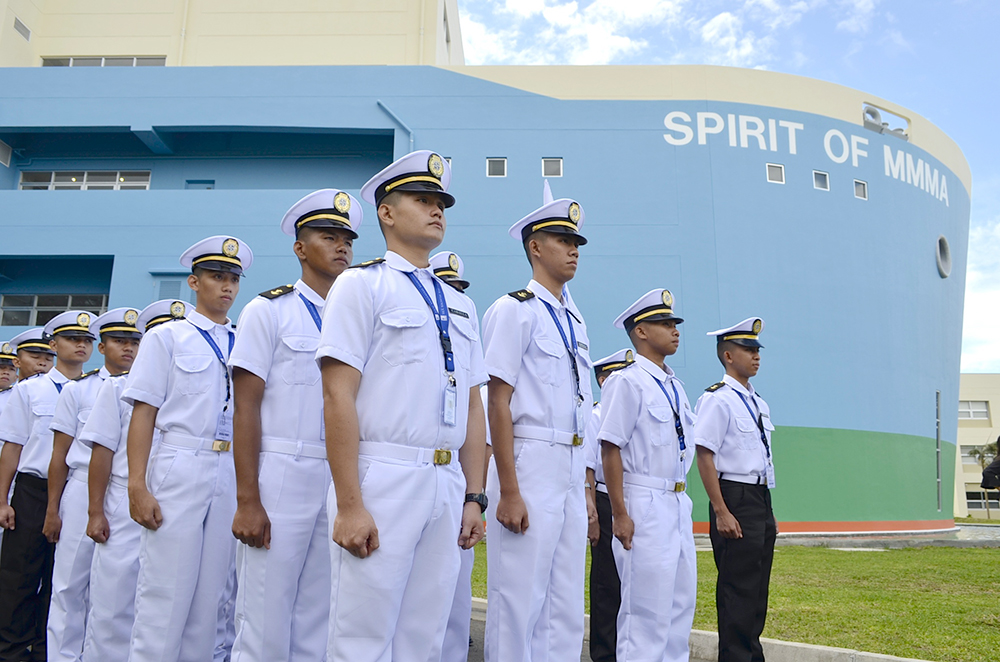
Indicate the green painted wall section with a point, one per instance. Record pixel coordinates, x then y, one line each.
830 475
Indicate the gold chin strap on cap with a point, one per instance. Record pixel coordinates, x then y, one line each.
323 217
650 313
565 224
216 258
740 336
409 180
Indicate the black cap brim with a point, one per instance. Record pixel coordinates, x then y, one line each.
135 335
425 187
75 334
327 224
746 342
455 282
561 229
212 265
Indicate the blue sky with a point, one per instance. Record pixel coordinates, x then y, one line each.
939 59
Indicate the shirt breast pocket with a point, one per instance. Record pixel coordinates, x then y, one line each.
553 368
300 368
463 339
663 416
193 377
403 342
42 415
749 433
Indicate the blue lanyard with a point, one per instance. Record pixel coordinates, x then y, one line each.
313 312
218 353
677 417
570 348
760 424
440 318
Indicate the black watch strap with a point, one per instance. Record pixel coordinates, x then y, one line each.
479 498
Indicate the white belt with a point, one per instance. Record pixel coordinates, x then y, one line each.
653 483
195 443
601 487
79 474
292 447
547 434
119 481
413 454
749 479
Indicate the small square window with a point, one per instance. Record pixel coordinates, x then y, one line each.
55 61
552 167
150 61
496 167
821 180
198 184
775 173
119 62
860 189
87 62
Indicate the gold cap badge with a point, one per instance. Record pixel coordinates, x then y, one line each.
435 165
668 298
342 202
83 319
756 326
131 316
574 212
6 349
177 309
453 262
230 247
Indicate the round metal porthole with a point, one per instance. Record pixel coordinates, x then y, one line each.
943 257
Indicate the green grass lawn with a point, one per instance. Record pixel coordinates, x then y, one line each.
939 604
979 520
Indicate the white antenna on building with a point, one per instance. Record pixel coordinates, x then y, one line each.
546 194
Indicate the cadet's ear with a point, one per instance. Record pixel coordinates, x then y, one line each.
192 281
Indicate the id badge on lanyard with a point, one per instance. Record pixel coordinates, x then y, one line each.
449 400
224 429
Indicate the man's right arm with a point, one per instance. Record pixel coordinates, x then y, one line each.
353 527
512 513
251 524
725 522
10 455
141 504
98 477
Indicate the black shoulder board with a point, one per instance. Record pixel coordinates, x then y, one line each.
715 387
277 292
121 374
87 374
369 263
522 295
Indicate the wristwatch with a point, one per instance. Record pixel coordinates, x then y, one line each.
479 498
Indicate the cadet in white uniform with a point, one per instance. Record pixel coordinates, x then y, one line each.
401 361
450 268
115 568
186 496
8 371
537 354
66 518
26 563
645 419
283 560
605 585
733 436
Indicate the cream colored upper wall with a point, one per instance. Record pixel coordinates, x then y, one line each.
237 32
729 84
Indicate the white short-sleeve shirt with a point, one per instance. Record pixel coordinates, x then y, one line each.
108 424
178 372
72 409
276 340
4 396
377 322
638 417
592 449
727 428
525 349
26 419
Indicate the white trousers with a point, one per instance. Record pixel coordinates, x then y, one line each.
535 581
70 602
185 566
393 606
456 635
659 577
283 601
113 577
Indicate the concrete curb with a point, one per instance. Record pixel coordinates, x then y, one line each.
705 646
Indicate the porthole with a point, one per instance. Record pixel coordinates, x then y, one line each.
943 257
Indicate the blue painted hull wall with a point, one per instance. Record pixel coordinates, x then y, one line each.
861 331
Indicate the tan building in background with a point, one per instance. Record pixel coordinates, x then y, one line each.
978 425
229 32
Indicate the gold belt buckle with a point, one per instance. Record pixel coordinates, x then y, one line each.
442 456
577 440
221 446
680 487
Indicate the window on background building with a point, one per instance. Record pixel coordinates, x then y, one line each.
775 173
496 167
860 189
112 61
38 309
821 180
93 180
552 167
978 410
967 457
977 501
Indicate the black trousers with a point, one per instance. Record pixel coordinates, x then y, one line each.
25 574
605 588
744 566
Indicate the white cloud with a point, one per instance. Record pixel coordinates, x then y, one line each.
859 15
895 41
728 44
